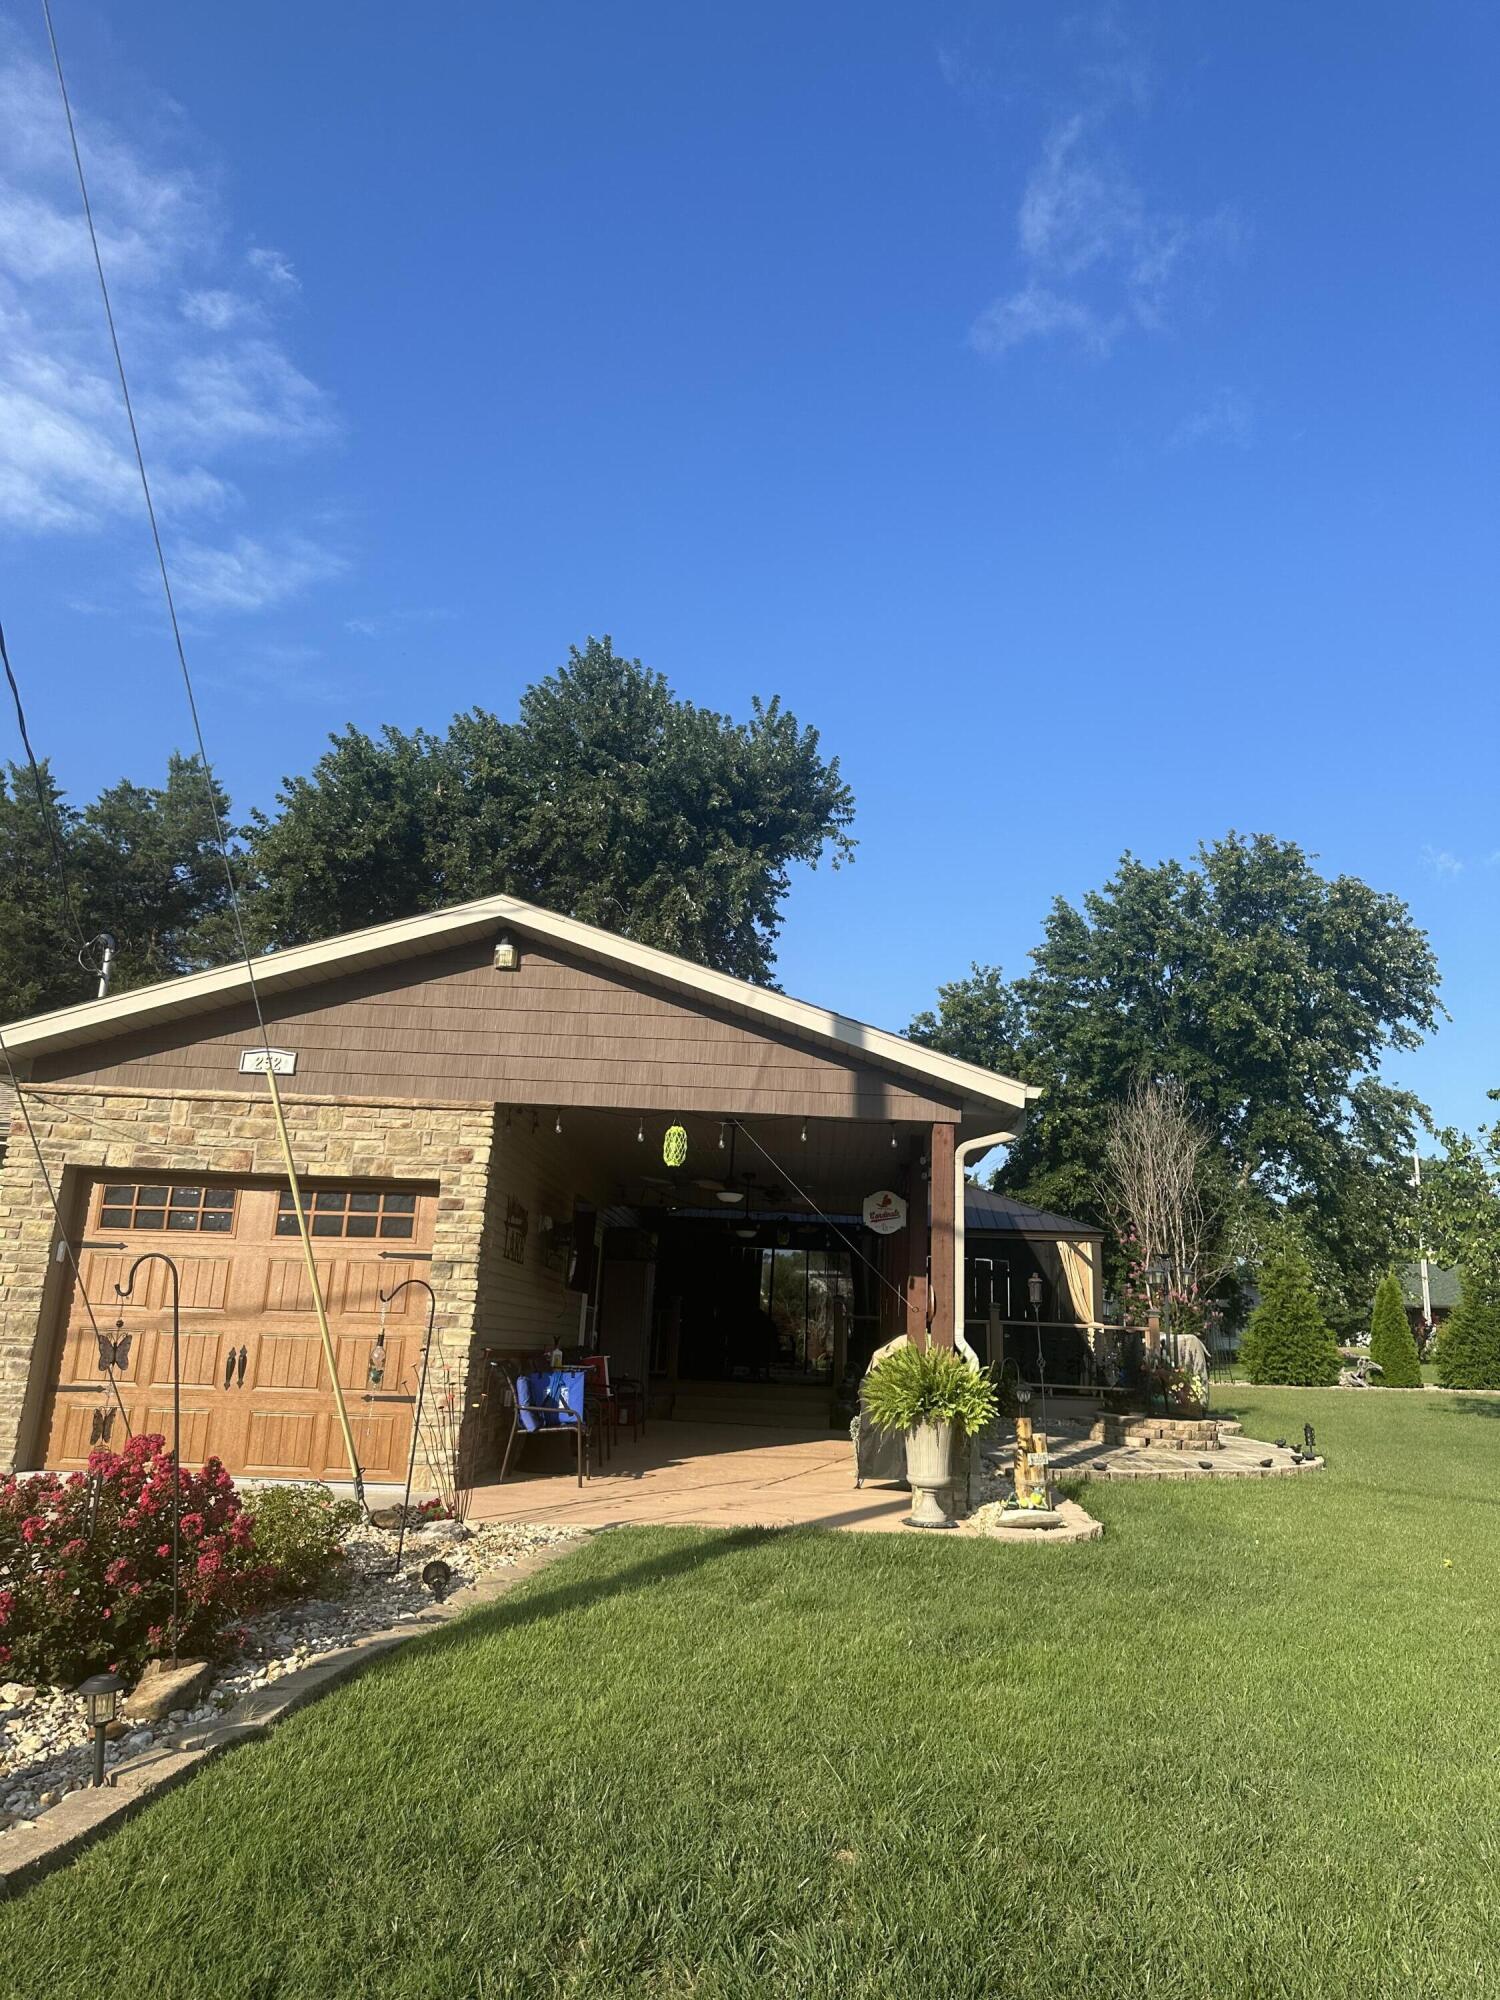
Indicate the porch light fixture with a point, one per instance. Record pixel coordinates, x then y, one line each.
803 1134
640 1132
723 1128
731 1197
894 1141
557 1128
745 1231
507 953
101 1699
1034 1291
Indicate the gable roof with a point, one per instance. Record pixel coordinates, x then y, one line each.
982 1091
1442 1281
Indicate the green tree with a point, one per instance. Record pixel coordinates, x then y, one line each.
1271 993
39 936
608 799
1468 1352
1391 1342
140 862
1288 1339
1459 1213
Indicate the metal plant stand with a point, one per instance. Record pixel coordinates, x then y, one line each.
386 1298
123 1293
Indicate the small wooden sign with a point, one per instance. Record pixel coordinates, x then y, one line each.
279 1062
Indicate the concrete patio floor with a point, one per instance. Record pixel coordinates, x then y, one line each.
698 1475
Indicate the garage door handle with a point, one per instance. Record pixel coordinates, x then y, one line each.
240 1368
229 1369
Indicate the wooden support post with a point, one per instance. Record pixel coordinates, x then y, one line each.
913 1253
941 1154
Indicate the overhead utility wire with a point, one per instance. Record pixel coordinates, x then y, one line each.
44 806
217 818
62 1229
43 803
848 1241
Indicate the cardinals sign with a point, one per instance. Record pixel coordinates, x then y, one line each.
884 1212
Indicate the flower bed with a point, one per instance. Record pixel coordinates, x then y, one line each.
270 1579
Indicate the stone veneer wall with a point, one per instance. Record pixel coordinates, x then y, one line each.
200 1132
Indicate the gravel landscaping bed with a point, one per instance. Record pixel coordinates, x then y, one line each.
45 1746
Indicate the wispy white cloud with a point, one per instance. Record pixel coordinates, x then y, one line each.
216 388
247 574
1096 258
1226 418
1441 862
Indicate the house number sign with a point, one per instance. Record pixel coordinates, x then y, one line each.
279 1062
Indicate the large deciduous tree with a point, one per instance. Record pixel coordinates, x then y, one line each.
608 798
1270 993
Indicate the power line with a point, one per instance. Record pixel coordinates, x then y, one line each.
216 817
44 804
62 1230
828 1220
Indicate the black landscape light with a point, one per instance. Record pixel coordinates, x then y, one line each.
1309 1440
101 1696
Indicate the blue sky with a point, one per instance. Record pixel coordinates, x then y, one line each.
1087 419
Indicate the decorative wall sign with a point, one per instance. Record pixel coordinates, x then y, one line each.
517 1222
884 1212
674 1146
280 1062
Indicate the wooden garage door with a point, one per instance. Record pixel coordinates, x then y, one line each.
255 1387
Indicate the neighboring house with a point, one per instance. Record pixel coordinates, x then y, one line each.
1443 1286
481 1097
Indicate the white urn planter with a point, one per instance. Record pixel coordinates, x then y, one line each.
929 1473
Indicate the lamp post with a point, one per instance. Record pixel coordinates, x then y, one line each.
123 1292
1034 1289
101 1694
386 1299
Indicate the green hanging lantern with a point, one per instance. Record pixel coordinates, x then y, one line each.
674 1146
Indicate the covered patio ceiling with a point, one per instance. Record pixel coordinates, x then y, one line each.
788 1165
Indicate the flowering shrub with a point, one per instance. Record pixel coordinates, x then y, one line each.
86 1564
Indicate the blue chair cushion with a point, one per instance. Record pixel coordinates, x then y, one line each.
541 1399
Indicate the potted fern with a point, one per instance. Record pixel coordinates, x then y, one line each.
932 1397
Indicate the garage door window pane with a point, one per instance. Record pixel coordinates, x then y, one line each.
360 1225
216 1220
186 1198
218 1197
150 1218
114 1218
399 1204
154 1197
364 1201
395 1225
327 1225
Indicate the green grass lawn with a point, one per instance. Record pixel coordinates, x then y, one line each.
1246 1745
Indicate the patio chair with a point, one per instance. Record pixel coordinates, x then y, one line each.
549 1404
598 1400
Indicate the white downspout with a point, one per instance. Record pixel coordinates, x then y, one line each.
960 1160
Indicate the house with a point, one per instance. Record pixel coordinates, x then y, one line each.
578 1140
1442 1288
